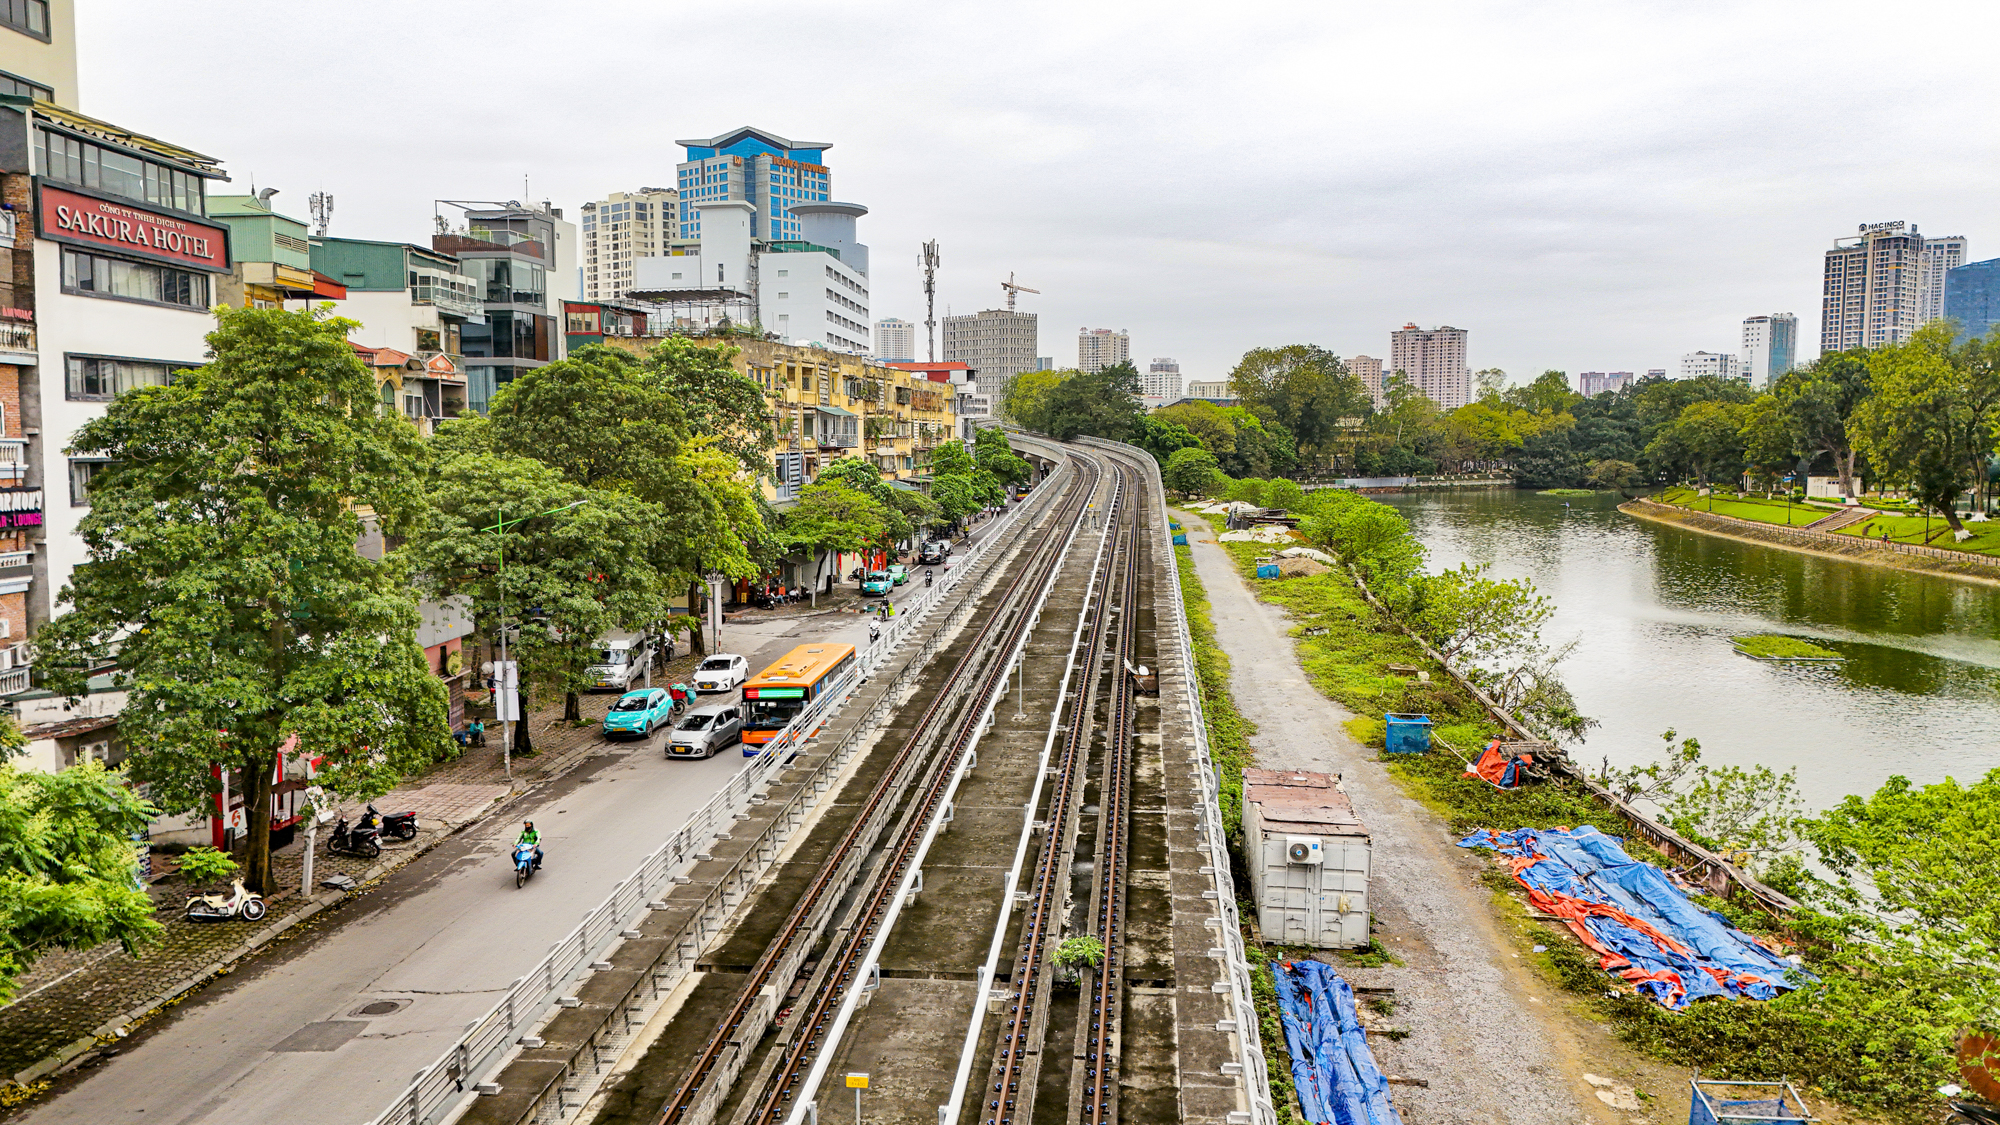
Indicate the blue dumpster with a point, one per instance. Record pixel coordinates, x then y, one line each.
1408 734
1267 566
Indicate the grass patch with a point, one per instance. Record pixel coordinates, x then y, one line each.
1932 532
1374 956
1567 492
1785 513
1770 646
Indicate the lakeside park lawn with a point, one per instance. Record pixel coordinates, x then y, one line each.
1912 529
1746 507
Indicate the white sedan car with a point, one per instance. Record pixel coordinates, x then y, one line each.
722 672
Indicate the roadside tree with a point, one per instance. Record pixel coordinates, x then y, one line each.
1491 622
66 868
1818 400
1305 389
223 580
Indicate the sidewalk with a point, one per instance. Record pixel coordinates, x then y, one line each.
71 1001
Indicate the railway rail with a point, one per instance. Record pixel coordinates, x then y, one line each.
935 751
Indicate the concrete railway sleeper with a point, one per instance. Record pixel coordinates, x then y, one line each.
958 707
830 998
1008 1095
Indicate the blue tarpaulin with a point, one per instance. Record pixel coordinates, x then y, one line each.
1333 1070
1641 925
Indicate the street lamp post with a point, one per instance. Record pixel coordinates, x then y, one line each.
506 678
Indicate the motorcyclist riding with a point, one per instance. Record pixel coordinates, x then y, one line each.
533 839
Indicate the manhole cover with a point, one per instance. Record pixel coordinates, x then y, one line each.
379 1008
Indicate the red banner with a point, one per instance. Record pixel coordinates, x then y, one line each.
69 216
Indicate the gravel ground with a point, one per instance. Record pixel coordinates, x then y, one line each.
1486 1034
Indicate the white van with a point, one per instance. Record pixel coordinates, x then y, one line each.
622 659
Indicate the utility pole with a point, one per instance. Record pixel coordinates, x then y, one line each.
930 297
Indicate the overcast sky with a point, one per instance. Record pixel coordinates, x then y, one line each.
1584 186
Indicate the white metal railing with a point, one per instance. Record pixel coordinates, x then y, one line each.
1209 823
487 1040
14 680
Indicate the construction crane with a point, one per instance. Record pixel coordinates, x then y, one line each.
1012 289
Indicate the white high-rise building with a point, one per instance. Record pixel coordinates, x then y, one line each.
1872 289
1719 364
813 290
997 344
1368 369
1099 348
620 229
1940 254
1770 347
1434 360
1162 379
895 341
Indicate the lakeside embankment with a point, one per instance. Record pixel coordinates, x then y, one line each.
1900 556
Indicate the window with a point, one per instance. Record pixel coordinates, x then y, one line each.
60 156
81 472
30 17
100 276
102 378
15 84
506 281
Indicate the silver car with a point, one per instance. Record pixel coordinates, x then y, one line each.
705 730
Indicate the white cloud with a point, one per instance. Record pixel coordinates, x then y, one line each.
1583 186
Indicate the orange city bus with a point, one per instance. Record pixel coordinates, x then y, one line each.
776 695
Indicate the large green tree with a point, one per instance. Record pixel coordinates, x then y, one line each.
567 564
222 574
1931 421
1706 440
1102 403
66 862
1305 389
832 515
1818 399
1190 472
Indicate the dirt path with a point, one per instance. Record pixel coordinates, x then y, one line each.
1495 1041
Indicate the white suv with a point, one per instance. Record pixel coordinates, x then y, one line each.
722 672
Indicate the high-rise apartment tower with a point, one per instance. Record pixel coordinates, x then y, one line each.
619 230
1368 369
1770 347
1099 348
1873 287
1941 255
895 341
1434 360
1162 379
996 344
1972 297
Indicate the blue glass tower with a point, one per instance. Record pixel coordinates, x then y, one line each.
1972 297
760 168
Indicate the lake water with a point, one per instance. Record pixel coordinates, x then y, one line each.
1653 607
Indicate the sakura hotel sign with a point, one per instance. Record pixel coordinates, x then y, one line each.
104 224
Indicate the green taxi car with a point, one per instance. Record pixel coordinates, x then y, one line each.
877 584
899 574
638 713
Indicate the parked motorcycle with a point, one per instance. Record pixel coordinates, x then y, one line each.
524 864
247 905
402 825
362 840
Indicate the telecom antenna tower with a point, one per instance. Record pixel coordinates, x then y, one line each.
930 297
322 212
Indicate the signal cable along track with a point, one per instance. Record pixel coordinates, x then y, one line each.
1013 1077
959 706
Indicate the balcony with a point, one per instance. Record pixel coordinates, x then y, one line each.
451 302
13 459
839 441
482 241
11 559
17 342
14 681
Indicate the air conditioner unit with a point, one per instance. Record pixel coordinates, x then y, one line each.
1302 850
6 627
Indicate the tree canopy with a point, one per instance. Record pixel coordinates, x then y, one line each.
223 579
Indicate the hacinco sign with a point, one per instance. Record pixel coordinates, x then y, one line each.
85 220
